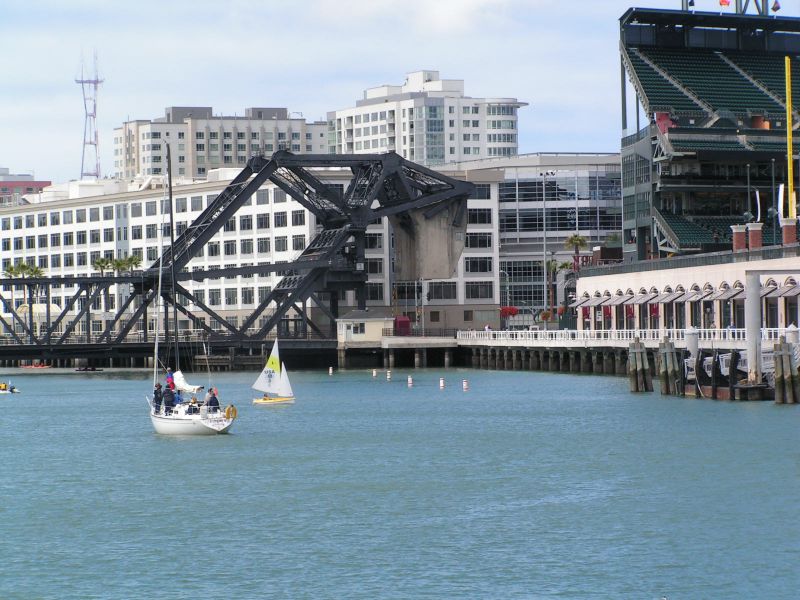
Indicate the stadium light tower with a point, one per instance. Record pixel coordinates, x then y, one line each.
89 85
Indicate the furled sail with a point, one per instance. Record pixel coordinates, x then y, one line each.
182 385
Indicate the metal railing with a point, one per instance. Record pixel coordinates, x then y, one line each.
417 332
614 337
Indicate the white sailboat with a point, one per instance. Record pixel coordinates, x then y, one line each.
273 381
192 417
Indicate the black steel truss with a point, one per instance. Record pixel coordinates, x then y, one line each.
333 262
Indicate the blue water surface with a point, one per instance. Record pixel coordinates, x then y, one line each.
529 485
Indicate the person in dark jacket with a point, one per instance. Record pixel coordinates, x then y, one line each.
157 397
169 401
213 401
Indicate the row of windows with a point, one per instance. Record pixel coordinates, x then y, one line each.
66 217
443 290
213 249
254 135
560 219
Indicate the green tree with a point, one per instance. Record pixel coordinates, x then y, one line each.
103 264
134 262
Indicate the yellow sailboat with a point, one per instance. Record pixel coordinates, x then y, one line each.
273 381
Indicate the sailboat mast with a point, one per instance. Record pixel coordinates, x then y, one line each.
172 261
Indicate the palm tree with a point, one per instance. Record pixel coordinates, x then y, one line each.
577 243
134 261
103 263
12 272
119 264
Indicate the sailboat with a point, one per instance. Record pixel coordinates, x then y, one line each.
273 381
187 417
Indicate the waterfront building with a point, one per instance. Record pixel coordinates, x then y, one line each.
705 292
711 88
201 141
580 195
428 120
13 186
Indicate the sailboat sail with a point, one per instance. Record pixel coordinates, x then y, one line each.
284 387
269 379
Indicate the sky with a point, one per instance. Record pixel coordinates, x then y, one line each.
312 56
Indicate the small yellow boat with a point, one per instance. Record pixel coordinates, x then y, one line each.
273 381
274 400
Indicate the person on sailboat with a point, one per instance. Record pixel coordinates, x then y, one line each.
169 401
212 401
157 396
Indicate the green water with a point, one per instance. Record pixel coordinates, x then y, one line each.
530 485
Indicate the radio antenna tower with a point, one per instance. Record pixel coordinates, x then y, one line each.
89 87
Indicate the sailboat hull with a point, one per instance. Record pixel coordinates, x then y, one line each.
180 422
274 400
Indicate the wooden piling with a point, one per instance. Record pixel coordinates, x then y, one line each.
780 392
662 368
786 359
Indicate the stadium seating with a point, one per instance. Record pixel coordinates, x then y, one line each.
769 71
713 80
690 235
661 93
694 145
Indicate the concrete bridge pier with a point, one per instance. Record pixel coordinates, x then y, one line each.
385 359
342 355
552 360
492 358
391 358
586 361
424 355
417 358
533 358
608 362
448 358
510 360
484 357
597 363
517 354
574 362
620 362
476 358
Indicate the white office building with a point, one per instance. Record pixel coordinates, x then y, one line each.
428 120
201 141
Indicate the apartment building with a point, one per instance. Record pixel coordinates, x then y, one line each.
201 141
428 120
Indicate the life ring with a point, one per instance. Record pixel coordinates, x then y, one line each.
231 412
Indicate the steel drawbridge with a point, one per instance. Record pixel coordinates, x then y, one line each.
382 185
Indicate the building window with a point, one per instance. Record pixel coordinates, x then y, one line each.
262 197
263 245
478 264
231 296
246 246
479 290
442 290
479 240
479 216
373 241
281 243
280 219
246 223
230 248
230 225
298 242
262 221
298 217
